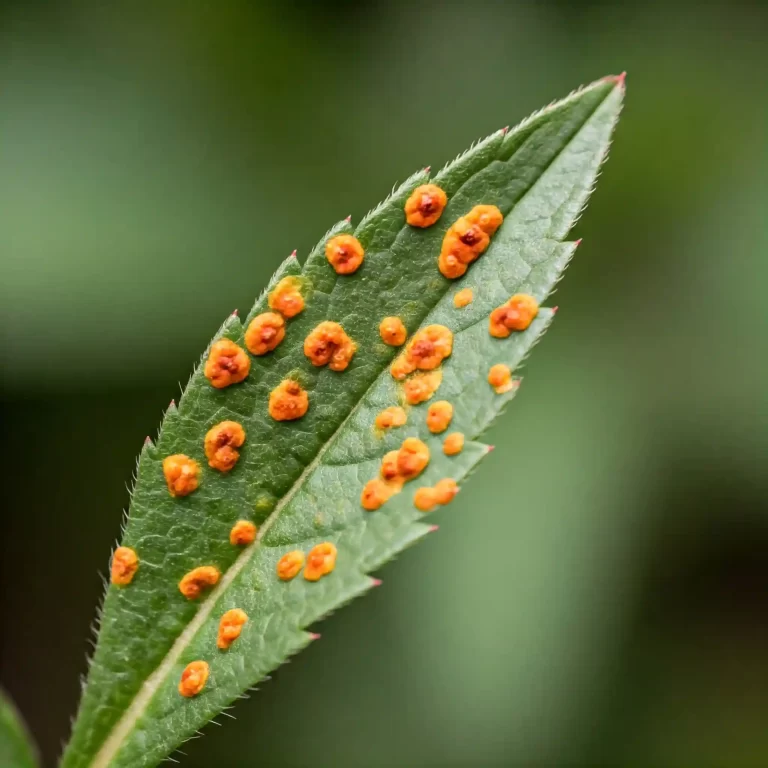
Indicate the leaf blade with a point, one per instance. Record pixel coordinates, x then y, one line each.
540 175
16 746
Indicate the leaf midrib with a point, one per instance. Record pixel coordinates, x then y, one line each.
151 685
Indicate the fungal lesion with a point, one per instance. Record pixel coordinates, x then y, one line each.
425 351
421 386
397 468
467 238
516 314
428 497
243 533
193 678
500 378
439 416
345 253
230 626
328 344
227 364
125 563
197 580
288 401
391 417
182 474
425 205
286 297
393 331
321 561
264 333
221 445
289 565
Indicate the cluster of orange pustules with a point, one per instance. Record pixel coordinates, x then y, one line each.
221 444
397 467
427 497
500 378
320 561
467 238
394 416
328 344
439 416
425 351
516 314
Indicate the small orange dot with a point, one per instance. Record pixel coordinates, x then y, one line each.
463 297
500 378
321 560
125 563
221 444
264 333
392 331
439 416
243 533
344 253
286 297
453 444
288 401
425 205
425 499
193 678
230 627
181 474
394 416
445 490
227 364
328 344
198 579
290 564
515 315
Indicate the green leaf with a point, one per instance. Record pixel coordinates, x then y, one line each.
300 481
16 747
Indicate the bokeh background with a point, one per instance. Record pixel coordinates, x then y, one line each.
598 594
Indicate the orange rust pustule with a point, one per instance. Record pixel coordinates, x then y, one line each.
243 533
392 331
425 499
467 238
394 416
321 560
125 563
290 564
288 401
463 297
389 470
286 297
227 364
345 254
221 444
453 444
439 416
375 493
425 351
421 386
264 333
230 627
514 315
500 378
425 205
445 490
193 583
193 678
328 344
412 458
182 474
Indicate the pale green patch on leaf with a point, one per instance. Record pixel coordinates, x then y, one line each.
300 481
16 747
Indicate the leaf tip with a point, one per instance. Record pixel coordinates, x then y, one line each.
555 309
234 313
376 582
293 254
433 528
348 219
314 636
618 80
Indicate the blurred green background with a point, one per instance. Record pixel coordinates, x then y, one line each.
598 595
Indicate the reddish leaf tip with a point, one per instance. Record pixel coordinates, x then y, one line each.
578 242
619 80
433 528
349 218
293 254
376 582
428 169
554 310
491 448
172 403
314 636
234 313
147 440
